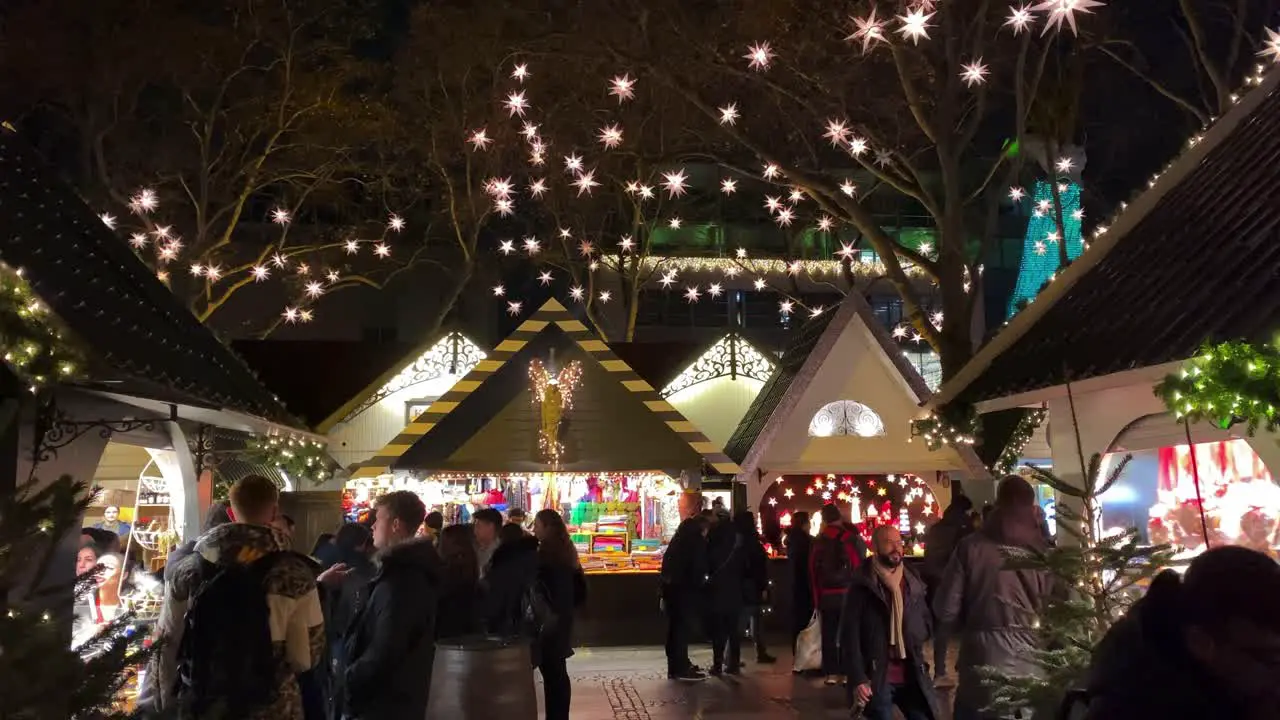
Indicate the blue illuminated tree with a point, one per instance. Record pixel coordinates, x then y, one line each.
1041 254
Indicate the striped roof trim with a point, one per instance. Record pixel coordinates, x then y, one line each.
551 314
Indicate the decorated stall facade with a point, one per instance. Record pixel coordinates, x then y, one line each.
1124 317
551 418
833 425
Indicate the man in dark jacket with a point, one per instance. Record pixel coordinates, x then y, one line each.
684 575
799 547
886 621
837 553
513 571
727 559
939 545
1207 647
391 643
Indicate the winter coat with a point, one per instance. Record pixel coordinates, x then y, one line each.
865 633
557 581
297 621
512 572
727 560
1141 668
390 646
685 565
799 546
458 611
941 540
827 587
994 608
756 583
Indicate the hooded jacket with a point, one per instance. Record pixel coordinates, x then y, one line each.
512 571
390 645
297 623
835 537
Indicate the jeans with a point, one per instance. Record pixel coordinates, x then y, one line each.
726 638
557 691
679 615
908 698
832 608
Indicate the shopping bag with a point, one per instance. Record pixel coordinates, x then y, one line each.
809 646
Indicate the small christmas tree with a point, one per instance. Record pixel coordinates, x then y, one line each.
1100 577
40 675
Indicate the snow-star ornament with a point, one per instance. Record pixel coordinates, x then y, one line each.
975 73
729 114
675 183
837 132
759 56
516 104
869 30
520 72
728 186
610 136
1020 18
1271 46
1064 11
622 87
915 25
532 246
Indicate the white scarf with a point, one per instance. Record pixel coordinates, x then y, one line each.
892 579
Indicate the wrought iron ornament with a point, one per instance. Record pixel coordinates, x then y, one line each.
731 356
453 355
846 417
55 429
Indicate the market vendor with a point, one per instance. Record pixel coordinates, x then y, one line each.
111 522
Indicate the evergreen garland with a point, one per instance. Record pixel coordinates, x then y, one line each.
1228 383
34 346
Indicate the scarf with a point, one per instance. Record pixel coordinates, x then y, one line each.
892 579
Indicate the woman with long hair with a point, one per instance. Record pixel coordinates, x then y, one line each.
557 567
456 613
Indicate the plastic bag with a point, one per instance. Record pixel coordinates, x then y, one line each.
809 646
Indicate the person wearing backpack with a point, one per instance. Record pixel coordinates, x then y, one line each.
836 555
506 588
557 569
241 617
390 645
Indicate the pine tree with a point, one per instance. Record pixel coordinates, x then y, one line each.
41 677
1099 576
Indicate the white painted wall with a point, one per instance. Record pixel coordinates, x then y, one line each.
718 405
364 435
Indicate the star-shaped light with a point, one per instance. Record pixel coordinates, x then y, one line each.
138 240
846 251
926 248
566 233
1065 164
314 289
675 223
1041 248
771 171
786 307
604 296
382 250
884 158
1020 18
507 247
144 201
332 276
260 273
611 136
532 246
162 231
586 182
788 493
626 243
109 220
162 276
1077 214
785 217
974 73
772 203
279 260
577 293
714 290
516 104
741 253
520 72
538 187
674 182
837 132
1271 46
586 248
395 222
213 272
1061 11
306 316
900 332
304 269
729 114
573 163
759 56
280 216
291 314
480 139
668 279
168 252
915 25
545 277
796 195
530 130
936 320
514 306
1017 193
499 290
825 223
848 188
691 294
728 186
505 207
794 267
815 312
646 192
773 502
622 87
869 30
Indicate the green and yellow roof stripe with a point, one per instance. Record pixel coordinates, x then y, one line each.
551 314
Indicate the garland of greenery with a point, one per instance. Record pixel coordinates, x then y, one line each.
1027 427
34 345
298 457
952 425
1228 383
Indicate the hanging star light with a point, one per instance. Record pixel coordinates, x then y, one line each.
605 296
513 307
532 246
332 276
314 289
622 87
382 250
759 56
729 114
144 201
785 216
577 293
674 182
691 294
479 139
848 188
869 30
516 104
1017 193
846 251
772 203
1271 46
545 277
573 163
975 73
290 315
1020 18
668 279
538 187
1065 164
715 290
759 284
504 207
139 240
506 247
785 307
611 136
771 171
728 186
626 243
520 72
395 223
674 223
837 132
586 248
586 182
1061 11
741 253
815 312
915 25
825 223
280 216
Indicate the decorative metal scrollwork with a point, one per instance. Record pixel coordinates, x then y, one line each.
55 429
732 356
453 355
846 417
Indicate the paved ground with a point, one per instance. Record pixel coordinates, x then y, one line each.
631 684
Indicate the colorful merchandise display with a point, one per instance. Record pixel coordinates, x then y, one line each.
869 501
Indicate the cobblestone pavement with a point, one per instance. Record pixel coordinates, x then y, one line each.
631 684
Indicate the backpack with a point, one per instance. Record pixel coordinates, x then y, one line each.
227 666
832 565
537 619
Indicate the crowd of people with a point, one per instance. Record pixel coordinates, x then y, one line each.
250 629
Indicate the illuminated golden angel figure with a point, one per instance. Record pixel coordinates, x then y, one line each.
554 395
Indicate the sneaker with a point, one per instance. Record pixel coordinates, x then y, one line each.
690 675
765 658
831 680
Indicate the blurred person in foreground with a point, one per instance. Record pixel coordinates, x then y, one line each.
1206 646
799 544
886 622
557 566
459 607
995 608
940 543
837 554
684 574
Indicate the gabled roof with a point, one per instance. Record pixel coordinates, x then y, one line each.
551 320
1195 259
834 350
730 356
139 339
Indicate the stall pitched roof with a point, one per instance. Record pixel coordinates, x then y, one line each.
552 317
1194 259
137 335
832 352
